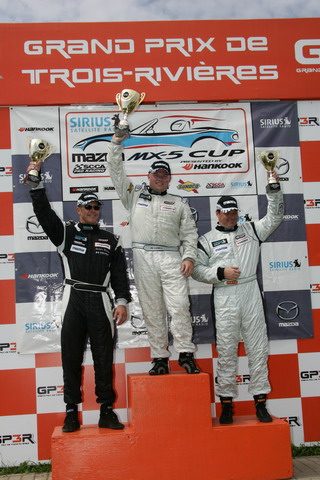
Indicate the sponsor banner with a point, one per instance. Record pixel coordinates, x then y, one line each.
39 278
312 202
29 235
9 358
5 171
309 121
7 258
38 327
315 286
63 63
49 394
288 168
292 227
285 266
18 442
309 373
212 152
203 331
291 412
203 147
288 314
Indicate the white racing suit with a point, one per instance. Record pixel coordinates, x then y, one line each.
163 235
238 308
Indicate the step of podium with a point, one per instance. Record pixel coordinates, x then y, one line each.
171 435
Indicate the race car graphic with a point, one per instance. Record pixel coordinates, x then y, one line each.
184 131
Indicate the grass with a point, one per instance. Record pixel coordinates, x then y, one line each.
26 467
305 451
30 467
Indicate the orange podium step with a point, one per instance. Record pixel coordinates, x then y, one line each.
171 435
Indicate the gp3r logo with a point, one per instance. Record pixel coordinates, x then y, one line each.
50 390
307 52
17 439
293 421
310 375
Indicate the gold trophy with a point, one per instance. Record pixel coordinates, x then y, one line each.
39 150
269 159
128 100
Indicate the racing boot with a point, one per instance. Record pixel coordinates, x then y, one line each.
160 366
186 361
71 421
227 411
108 418
261 409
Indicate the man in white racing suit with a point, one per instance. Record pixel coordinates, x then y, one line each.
164 245
228 257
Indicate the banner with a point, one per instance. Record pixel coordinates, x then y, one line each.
213 150
177 61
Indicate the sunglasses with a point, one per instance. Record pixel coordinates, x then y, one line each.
90 207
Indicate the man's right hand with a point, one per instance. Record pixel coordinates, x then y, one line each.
118 140
33 166
231 273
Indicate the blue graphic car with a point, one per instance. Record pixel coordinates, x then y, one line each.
184 131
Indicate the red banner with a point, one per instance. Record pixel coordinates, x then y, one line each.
203 60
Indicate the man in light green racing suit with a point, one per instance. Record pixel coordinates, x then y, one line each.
164 244
228 257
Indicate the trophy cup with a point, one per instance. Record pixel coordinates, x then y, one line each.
39 150
269 159
128 100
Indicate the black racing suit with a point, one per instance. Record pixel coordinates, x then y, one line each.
89 256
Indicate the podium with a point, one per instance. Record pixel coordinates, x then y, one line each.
171 435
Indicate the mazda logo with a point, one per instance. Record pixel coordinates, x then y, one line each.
283 166
33 226
287 310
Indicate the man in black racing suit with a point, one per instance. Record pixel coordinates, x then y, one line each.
92 259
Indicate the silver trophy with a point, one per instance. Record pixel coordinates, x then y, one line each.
127 100
39 150
269 160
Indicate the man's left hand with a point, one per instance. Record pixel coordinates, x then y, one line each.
187 268
120 314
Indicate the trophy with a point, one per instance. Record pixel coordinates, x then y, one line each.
269 159
39 150
128 100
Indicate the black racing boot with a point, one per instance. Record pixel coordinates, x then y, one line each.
261 409
71 421
227 411
108 418
186 361
160 366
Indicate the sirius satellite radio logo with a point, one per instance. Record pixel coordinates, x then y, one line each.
285 265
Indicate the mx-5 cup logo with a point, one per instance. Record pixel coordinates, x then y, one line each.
307 51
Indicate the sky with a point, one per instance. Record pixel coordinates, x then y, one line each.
39 11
